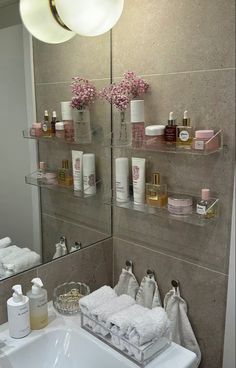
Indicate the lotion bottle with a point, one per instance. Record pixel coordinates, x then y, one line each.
38 302
18 314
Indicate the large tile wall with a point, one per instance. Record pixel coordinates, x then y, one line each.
186 51
87 221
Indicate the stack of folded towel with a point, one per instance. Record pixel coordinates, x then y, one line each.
132 327
14 259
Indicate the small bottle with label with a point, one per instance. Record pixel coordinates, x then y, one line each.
53 123
205 207
18 314
46 126
170 130
156 193
184 133
65 174
38 303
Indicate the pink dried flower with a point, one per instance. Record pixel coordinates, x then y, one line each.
138 86
84 91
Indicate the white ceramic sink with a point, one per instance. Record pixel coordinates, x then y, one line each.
63 344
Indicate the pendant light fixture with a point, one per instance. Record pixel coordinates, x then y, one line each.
57 21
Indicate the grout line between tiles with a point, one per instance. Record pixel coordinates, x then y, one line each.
69 82
173 257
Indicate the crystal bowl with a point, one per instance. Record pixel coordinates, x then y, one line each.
66 297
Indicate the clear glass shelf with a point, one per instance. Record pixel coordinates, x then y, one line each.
163 212
33 179
96 133
213 145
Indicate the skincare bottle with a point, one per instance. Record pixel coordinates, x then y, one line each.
156 193
137 123
38 303
53 123
122 179
65 174
36 130
184 136
60 130
41 174
66 113
18 314
170 130
138 174
205 207
89 174
77 165
46 127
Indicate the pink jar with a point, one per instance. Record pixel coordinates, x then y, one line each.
36 130
180 205
60 130
202 137
154 136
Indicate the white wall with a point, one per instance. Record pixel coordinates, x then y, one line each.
18 213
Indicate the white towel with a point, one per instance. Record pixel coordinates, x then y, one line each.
127 284
5 242
121 321
95 299
181 329
152 325
23 261
148 294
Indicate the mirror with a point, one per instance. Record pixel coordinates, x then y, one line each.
37 214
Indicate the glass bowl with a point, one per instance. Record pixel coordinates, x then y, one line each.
66 297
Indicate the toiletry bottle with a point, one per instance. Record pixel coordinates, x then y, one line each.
18 314
156 193
60 130
205 207
46 127
53 123
170 130
38 302
184 133
138 176
137 123
65 174
77 164
122 179
41 174
66 113
89 174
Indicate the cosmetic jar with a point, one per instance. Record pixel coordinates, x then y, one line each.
180 205
201 137
51 177
154 136
60 130
36 130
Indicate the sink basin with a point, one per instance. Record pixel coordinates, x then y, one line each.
64 344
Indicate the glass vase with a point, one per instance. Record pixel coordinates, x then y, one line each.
82 126
123 135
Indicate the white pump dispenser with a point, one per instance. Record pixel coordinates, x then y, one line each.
18 314
38 305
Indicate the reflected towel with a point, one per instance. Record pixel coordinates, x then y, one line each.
22 261
148 295
127 284
5 242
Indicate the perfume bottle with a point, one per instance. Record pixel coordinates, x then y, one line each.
137 123
184 133
156 193
53 123
64 176
170 130
206 207
46 126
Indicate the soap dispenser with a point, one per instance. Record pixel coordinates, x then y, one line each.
38 302
18 314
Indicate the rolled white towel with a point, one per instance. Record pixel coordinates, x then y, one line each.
152 325
27 259
121 321
5 242
7 251
95 299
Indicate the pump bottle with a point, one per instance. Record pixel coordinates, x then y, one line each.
38 305
18 314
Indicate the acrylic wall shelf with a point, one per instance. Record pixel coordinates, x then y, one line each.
213 145
96 137
163 212
33 179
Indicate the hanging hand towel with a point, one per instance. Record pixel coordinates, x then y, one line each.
148 294
127 284
181 329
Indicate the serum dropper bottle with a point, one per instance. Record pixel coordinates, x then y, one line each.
170 130
184 133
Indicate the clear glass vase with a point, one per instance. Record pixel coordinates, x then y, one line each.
123 135
82 126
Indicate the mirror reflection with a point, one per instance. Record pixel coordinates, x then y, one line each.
56 167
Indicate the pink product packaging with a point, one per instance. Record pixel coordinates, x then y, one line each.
36 130
137 123
180 205
204 140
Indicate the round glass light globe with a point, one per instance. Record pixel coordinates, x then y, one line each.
38 19
90 17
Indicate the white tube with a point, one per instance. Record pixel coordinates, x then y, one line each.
138 173
89 174
77 163
122 179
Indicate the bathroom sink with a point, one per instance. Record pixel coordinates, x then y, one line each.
64 344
